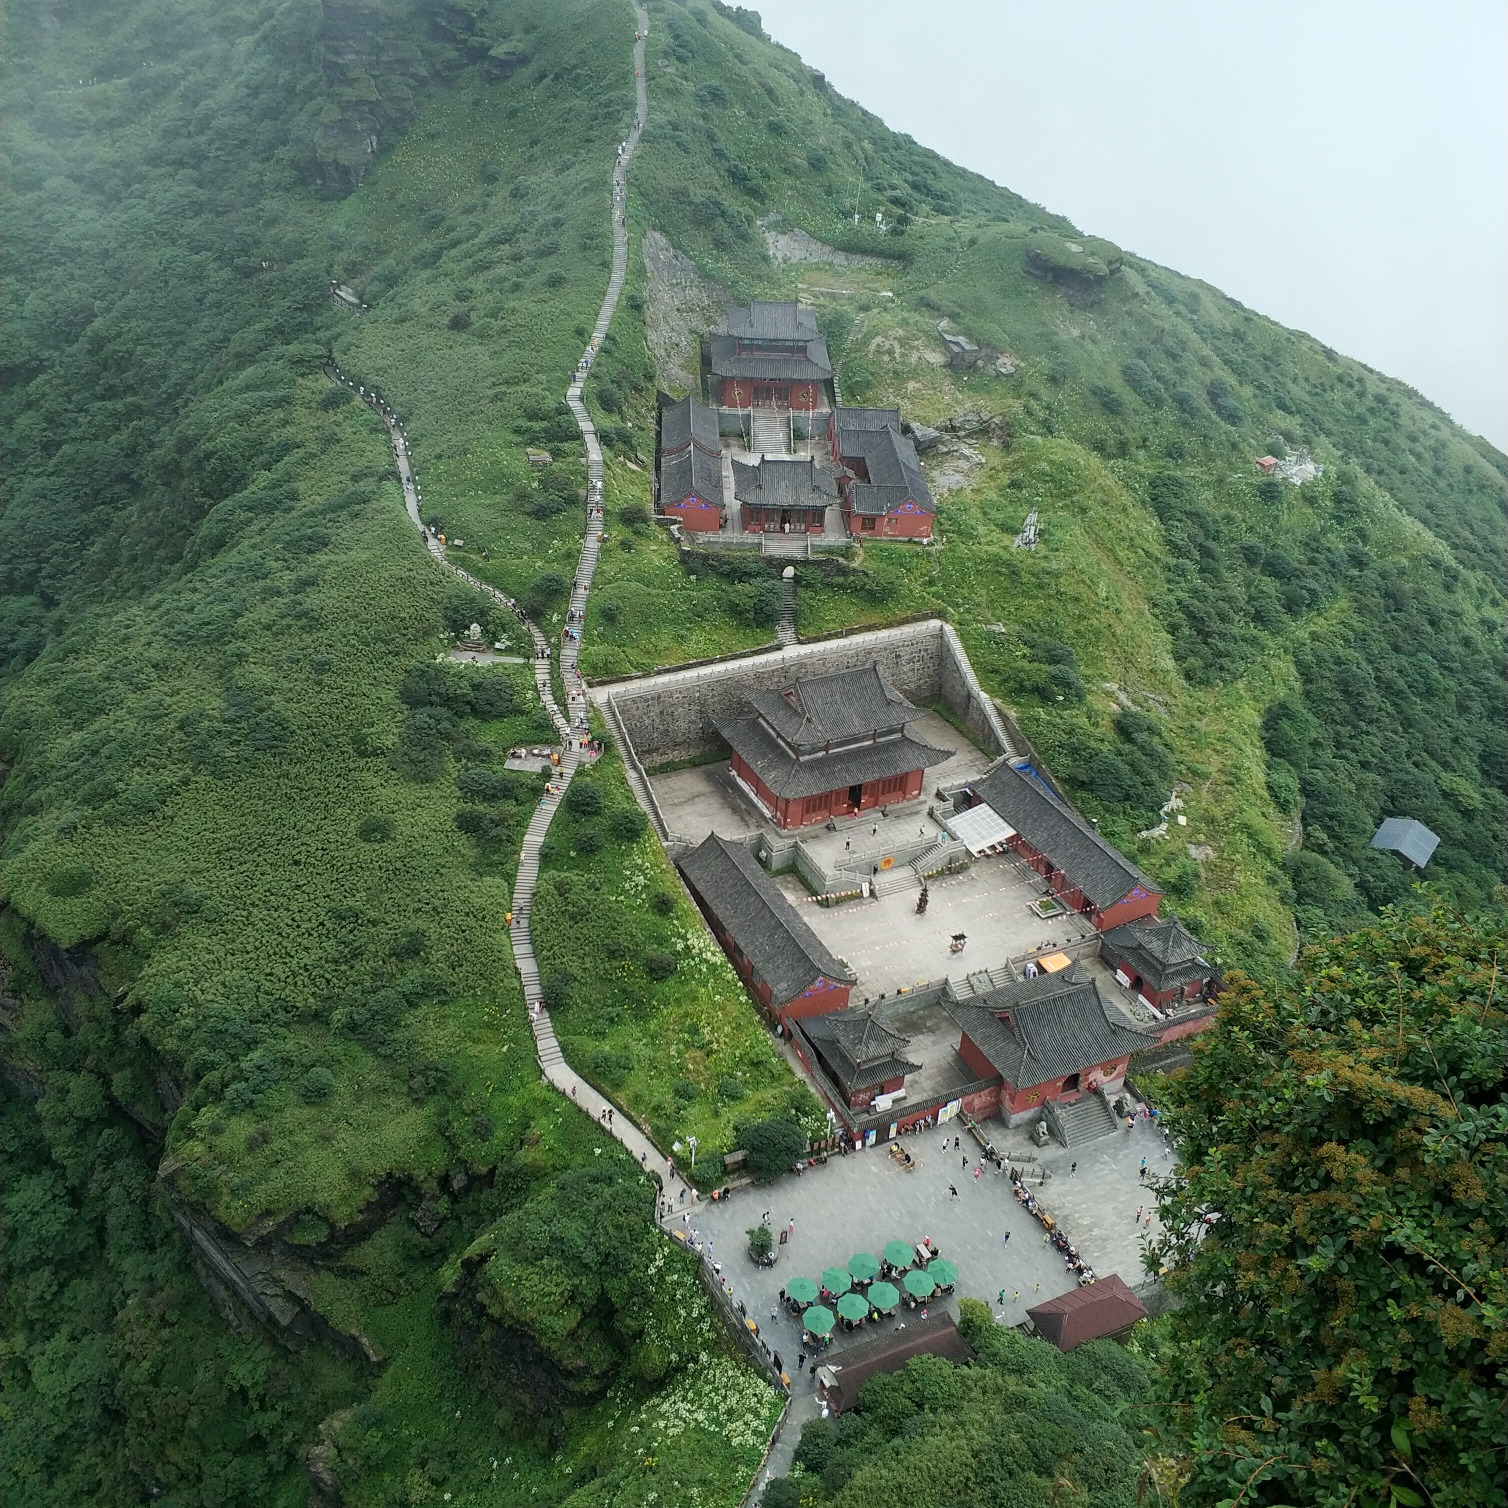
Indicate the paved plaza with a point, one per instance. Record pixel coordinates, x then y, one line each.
859 1202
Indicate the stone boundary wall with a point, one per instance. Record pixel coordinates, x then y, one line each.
670 716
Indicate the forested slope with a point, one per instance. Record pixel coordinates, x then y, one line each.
256 842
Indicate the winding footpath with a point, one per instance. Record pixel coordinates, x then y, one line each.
571 725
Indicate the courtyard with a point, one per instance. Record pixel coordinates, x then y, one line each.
891 948
859 1202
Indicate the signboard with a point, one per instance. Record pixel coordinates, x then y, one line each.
869 1137
894 1127
949 1110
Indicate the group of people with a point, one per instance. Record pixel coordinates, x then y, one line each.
1070 1254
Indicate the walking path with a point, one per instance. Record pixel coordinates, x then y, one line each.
571 725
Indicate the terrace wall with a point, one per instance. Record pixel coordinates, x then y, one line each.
670 715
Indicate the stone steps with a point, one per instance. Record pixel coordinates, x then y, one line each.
1087 1119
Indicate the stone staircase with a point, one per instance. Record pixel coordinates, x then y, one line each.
1087 1119
791 546
982 981
769 432
785 624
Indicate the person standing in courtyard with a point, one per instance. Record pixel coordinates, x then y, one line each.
953 1191
1073 1170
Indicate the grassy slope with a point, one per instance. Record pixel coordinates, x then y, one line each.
212 615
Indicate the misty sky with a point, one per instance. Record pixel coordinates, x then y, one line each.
1340 165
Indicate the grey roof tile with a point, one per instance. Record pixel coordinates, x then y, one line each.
1164 953
684 421
691 471
1059 834
786 954
1046 1028
862 1051
811 364
770 319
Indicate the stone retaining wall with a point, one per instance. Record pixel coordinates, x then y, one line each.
670 716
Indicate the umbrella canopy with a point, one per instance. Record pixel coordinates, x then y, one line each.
863 1267
918 1284
942 1272
836 1279
898 1254
817 1320
884 1295
803 1290
853 1306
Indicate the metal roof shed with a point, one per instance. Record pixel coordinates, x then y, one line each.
1405 836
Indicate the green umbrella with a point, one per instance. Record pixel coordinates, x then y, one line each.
863 1267
884 1296
817 1320
918 1284
802 1290
898 1254
853 1306
836 1279
942 1272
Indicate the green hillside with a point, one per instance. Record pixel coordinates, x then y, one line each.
256 846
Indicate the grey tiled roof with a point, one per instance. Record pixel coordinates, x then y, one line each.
813 364
895 474
867 418
1059 834
770 319
691 470
862 1052
1162 950
786 954
826 708
784 483
684 421
811 776
1046 1028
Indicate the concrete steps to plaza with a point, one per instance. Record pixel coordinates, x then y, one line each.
1087 1119
769 432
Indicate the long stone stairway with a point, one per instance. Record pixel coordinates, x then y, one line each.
571 724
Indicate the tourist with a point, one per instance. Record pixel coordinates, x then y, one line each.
953 1190
1007 1240
1073 1170
1136 1219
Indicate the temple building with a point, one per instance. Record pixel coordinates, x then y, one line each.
828 746
769 355
690 465
785 964
1159 958
1054 1038
884 491
862 1056
1084 871
786 496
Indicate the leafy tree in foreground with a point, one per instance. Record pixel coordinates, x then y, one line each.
1342 1335
1023 1427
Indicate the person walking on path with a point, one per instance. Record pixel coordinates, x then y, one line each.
1002 1296
1136 1218
1007 1240
1144 1169
1073 1170
953 1191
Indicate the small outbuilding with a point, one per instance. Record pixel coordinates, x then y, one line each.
1410 839
1160 959
839 1380
866 1058
1103 1310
